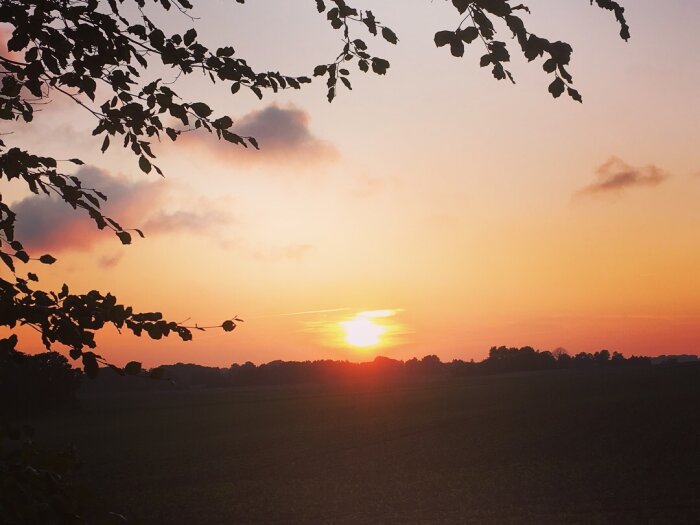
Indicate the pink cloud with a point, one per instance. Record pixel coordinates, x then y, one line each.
283 134
49 224
615 175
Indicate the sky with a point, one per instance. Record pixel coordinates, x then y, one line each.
433 210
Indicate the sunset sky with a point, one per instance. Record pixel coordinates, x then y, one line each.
453 211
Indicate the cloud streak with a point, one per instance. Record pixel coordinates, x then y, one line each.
615 176
283 134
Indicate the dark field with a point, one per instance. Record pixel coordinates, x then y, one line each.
555 447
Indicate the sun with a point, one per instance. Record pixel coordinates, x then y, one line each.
362 331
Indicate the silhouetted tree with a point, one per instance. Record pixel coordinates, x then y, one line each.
35 383
602 357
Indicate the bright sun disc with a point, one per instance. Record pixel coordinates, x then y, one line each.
362 331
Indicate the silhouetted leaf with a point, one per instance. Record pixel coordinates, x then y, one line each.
468 34
7 260
47 259
442 38
574 94
457 47
144 164
189 36
556 88
389 35
124 237
201 109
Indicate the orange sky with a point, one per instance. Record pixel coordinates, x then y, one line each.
481 213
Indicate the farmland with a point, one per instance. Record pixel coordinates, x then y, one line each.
549 447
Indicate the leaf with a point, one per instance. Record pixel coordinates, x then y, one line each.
468 35
124 237
574 94
320 70
389 35
76 161
457 47
105 144
556 88
224 122
370 22
144 164
32 277
442 38
201 109
7 260
47 259
190 36
379 65
226 51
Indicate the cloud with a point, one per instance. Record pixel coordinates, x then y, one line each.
282 133
615 175
182 220
49 224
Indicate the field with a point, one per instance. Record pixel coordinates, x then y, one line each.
555 447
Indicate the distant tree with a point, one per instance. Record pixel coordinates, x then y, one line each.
36 383
617 359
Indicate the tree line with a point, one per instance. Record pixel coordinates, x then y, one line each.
30 384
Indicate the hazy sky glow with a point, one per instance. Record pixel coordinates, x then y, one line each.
471 212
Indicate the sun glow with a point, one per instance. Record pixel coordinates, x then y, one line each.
363 331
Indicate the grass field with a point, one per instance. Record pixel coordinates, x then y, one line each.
556 447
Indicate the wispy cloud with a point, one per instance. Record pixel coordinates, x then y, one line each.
615 176
283 134
185 220
110 261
